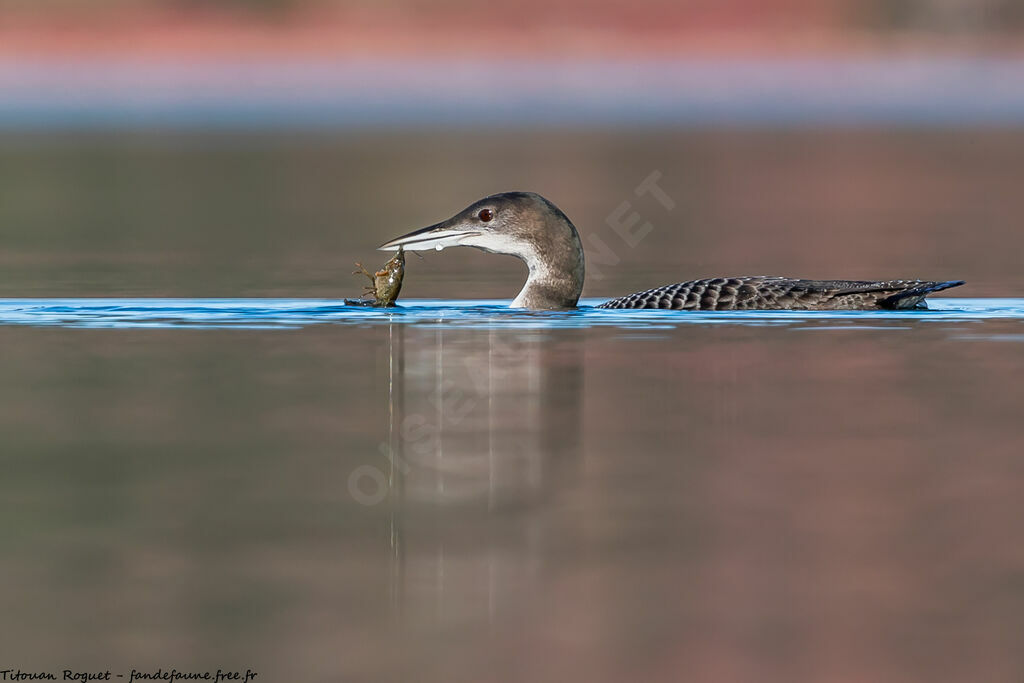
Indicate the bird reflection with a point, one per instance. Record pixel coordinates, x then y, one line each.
485 426
481 417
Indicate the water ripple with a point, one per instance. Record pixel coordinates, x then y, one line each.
300 313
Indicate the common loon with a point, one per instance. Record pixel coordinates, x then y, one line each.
528 226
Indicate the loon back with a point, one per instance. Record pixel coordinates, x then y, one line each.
781 293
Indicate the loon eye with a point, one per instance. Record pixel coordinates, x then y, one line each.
485 215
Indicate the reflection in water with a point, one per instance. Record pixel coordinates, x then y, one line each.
482 422
710 501
480 418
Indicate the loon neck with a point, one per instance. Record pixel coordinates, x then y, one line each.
556 269
548 293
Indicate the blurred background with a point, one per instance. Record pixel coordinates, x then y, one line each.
815 500
173 147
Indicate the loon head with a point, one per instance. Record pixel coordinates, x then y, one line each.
521 224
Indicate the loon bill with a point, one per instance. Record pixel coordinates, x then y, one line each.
528 226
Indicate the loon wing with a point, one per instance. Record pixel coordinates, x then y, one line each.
777 293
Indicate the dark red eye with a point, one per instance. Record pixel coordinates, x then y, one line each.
485 215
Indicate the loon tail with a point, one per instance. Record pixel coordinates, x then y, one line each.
914 295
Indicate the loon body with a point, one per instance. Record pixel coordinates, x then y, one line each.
528 226
767 293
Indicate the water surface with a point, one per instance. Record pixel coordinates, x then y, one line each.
427 492
481 314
